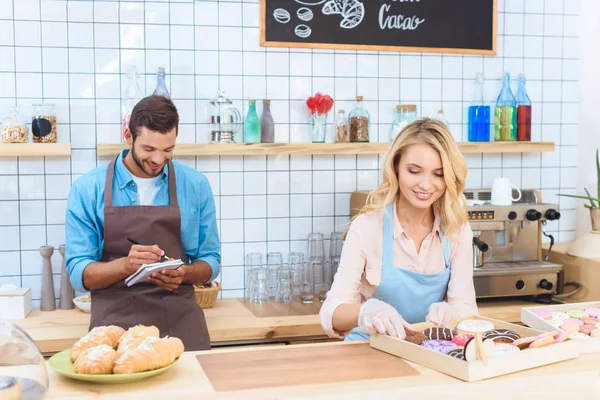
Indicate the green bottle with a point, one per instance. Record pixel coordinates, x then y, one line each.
252 124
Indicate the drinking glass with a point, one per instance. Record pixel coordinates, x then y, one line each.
316 246
259 293
253 261
296 263
274 261
285 294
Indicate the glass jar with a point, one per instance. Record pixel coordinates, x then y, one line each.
43 123
405 114
359 122
14 128
341 124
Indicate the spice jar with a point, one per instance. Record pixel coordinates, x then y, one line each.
341 124
43 123
14 129
359 122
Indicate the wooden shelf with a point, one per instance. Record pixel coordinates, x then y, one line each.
249 149
35 149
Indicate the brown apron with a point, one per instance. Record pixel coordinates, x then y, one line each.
174 313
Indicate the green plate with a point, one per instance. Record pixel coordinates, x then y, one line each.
61 363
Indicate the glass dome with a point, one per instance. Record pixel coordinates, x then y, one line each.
23 373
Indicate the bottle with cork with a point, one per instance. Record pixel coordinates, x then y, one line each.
341 124
359 122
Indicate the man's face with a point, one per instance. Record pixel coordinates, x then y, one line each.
151 150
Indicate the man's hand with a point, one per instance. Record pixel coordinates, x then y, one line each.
168 279
139 255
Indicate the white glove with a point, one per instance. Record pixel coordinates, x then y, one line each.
375 316
443 313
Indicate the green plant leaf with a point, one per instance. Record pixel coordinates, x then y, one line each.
579 197
597 173
592 202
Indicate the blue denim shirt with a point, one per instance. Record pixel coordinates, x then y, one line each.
84 224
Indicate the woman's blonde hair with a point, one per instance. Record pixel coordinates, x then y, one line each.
451 205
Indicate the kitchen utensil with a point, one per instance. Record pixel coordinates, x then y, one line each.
47 300
225 120
502 190
479 248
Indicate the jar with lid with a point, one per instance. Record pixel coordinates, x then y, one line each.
14 128
225 119
341 124
359 122
43 123
405 114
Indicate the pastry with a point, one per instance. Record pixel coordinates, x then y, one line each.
487 347
542 341
438 333
562 337
152 353
523 343
96 360
135 336
578 336
577 313
441 346
569 327
474 326
502 349
415 337
587 329
593 312
109 335
589 320
573 321
457 353
462 339
501 335
544 314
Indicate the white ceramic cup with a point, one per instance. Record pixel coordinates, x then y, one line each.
502 192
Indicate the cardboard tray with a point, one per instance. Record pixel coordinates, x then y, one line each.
529 318
472 371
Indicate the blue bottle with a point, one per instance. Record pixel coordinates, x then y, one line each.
479 114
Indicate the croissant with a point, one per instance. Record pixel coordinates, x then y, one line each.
108 335
134 336
96 360
152 353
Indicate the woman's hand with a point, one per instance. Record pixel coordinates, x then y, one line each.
375 316
443 313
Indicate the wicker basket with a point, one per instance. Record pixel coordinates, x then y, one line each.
207 297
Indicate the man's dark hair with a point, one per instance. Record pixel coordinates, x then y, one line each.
156 113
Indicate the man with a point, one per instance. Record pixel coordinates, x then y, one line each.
166 207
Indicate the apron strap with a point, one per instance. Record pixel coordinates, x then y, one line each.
388 237
447 248
172 186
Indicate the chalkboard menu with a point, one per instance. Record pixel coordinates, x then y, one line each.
441 26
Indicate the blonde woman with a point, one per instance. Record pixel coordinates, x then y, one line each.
408 255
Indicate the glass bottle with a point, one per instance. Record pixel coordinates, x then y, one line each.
14 128
479 113
359 122
405 114
440 117
267 125
161 85
505 122
133 94
341 124
43 123
252 124
523 111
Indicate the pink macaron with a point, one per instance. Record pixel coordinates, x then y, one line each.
544 314
572 321
593 312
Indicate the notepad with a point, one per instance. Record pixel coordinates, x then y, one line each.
146 269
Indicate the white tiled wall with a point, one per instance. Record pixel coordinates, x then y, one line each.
75 54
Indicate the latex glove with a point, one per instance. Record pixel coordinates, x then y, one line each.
376 316
444 313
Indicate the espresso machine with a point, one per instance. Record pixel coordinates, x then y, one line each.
507 246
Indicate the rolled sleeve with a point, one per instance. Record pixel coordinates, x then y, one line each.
461 289
82 238
345 288
209 247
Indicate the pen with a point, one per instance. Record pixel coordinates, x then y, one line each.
131 240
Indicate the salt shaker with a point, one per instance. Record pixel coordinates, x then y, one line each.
66 290
47 302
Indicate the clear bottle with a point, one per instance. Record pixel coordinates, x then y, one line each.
14 128
479 113
43 123
133 94
440 117
523 111
161 85
505 121
252 124
405 114
359 122
267 125
341 124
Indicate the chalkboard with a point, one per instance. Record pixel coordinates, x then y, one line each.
440 26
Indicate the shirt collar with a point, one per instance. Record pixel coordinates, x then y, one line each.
123 175
398 230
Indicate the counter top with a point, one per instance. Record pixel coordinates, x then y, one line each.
228 321
188 379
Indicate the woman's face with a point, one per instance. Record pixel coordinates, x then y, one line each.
421 176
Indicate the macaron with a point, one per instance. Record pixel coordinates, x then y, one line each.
569 327
589 320
595 333
560 315
573 321
587 329
544 314
579 336
593 312
577 313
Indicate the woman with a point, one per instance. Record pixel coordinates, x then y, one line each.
408 255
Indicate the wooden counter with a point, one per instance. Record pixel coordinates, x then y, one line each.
187 379
228 321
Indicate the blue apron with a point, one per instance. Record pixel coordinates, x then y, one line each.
409 292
